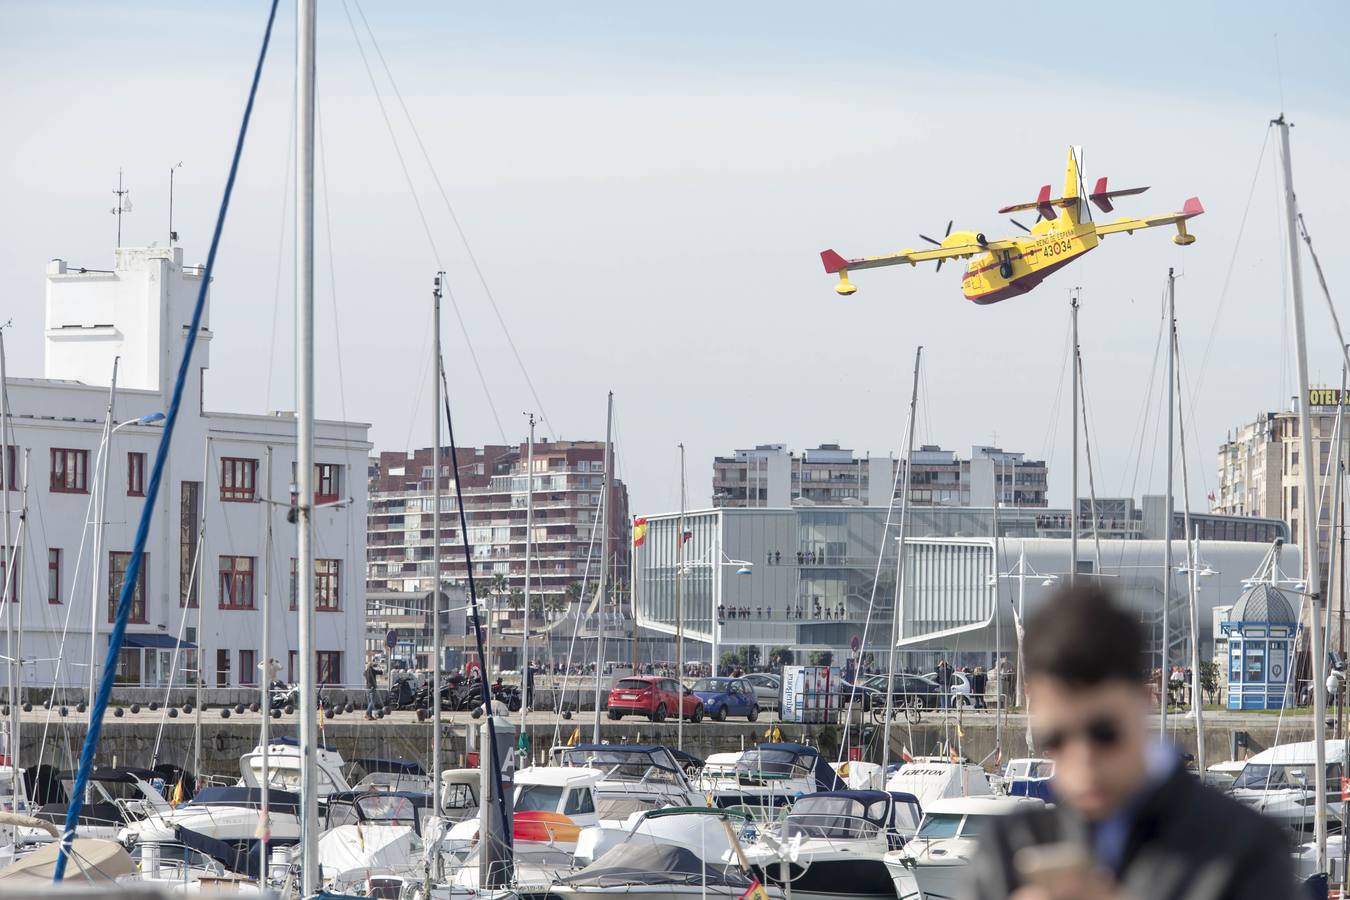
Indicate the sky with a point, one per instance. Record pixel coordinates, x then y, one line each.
645 190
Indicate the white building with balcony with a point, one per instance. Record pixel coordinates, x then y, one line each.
204 577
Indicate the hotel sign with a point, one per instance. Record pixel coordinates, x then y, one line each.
1325 397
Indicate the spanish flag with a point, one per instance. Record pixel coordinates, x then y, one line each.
575 737
639 531
755 891
177 797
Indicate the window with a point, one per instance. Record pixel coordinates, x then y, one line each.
189 524
70 471
135 474
53 575
327 585
328 662
118 562
579 801
248 667
329 667
237 479
327 482
9 471
236 582
222 668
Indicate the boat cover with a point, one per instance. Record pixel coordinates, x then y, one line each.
240 857
91 860
351 849
638 862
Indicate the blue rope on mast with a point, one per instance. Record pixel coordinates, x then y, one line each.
133 572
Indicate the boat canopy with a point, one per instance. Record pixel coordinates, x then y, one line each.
282 802
395 766
787 760
627 762
644 863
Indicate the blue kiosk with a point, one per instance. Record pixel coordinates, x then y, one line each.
1260 629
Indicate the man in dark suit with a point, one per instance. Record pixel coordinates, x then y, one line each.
1129 821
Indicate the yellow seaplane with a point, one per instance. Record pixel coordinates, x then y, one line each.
1003 268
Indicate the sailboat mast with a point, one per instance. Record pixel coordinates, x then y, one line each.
905 480
305 12
1308 533
201 602
7 476
1168 503
679 612
1193 589
436 637
529 538
264 679
1073 506
604 563
101 485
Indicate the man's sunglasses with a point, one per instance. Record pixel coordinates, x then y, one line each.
1102 733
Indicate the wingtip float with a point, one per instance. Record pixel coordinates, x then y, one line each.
1006 267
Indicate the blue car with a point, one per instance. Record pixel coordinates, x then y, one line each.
724 697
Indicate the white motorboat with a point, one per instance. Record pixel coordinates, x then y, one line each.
1221 775
551 805
1279 783
932 865
119 796
833 844
221 813
769 776
284 761
932 778
389 775
669 854
636 777
1028 777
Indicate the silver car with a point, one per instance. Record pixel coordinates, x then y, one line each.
768 689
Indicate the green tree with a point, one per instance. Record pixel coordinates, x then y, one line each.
517 599
730 660
781 656
822 657
556 604
1209 678
573 593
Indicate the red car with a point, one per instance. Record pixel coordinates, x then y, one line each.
652 696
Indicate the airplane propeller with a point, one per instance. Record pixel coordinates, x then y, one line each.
1019 225
939 243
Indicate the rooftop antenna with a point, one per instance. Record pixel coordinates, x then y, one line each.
173 235
123 205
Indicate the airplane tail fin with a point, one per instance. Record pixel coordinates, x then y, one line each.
1071 175
1101 197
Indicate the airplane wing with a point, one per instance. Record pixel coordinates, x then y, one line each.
1191 209
836 263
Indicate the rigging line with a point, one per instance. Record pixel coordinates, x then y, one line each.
421 214
1232 264
1052 426
454 217
281 256
1092 481
131 577
332 264
876 578
483 661
1147 411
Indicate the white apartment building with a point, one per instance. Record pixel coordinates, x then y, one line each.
204 576
1260 474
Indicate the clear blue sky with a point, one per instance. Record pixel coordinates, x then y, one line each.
647 189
